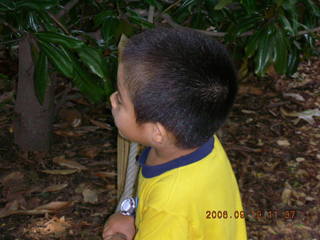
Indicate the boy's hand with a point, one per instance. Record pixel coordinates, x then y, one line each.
119 227
117 236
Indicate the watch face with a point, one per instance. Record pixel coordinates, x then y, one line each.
128 206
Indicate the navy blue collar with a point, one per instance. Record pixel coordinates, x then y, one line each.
156 170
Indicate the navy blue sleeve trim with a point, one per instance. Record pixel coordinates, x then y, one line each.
156 170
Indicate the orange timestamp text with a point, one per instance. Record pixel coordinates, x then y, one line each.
258 214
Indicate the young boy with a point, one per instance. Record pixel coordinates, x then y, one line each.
175 89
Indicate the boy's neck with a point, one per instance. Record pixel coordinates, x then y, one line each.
160 155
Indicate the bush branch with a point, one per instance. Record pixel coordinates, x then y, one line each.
66 9
54 18
151 13
317 29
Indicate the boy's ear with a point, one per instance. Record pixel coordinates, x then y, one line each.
159 133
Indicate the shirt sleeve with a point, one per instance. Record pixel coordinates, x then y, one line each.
161 225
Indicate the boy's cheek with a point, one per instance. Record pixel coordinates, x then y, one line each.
119 127
114 114
118 123
117 120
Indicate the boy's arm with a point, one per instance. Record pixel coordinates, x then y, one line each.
159 225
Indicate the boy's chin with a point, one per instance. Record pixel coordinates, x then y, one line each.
124 136
121 134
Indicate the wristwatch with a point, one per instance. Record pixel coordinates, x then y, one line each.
128 206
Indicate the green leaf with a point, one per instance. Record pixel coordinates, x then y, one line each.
141 22
33 22
264 53
103 16
281 52
314 8
155 3
109 30
182 16
279 2
246 24
293 61
87 84
3 76
56 38
290 7
253 42
250 5
94 60
222 3
38 5
41 76
59 57
287 25
187 3
7 5
198 20
137 19
124 28
47 22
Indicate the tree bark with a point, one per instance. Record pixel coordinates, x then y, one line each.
33 123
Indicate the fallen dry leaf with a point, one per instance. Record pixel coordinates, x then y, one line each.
66 133
105 174
283 142
90 196
56 225
68 163
55 206
91 152
15 206
12 177
306 115
55 188
47 208
300 159
6 96
71 116
286 194
60 172
101 124
81 187
10 206
284 227
245 89
296 96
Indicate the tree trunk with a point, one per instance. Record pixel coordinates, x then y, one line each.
33 123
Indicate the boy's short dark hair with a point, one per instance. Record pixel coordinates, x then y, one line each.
181 79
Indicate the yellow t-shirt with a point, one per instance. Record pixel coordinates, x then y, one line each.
192 197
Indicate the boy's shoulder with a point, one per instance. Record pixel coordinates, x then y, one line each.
208 176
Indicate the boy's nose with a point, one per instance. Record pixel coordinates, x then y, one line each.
112 100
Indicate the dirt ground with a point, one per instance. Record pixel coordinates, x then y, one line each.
272 139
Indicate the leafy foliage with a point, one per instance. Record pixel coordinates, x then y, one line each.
261 33
82 43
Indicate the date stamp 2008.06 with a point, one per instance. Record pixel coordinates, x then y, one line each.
257 214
